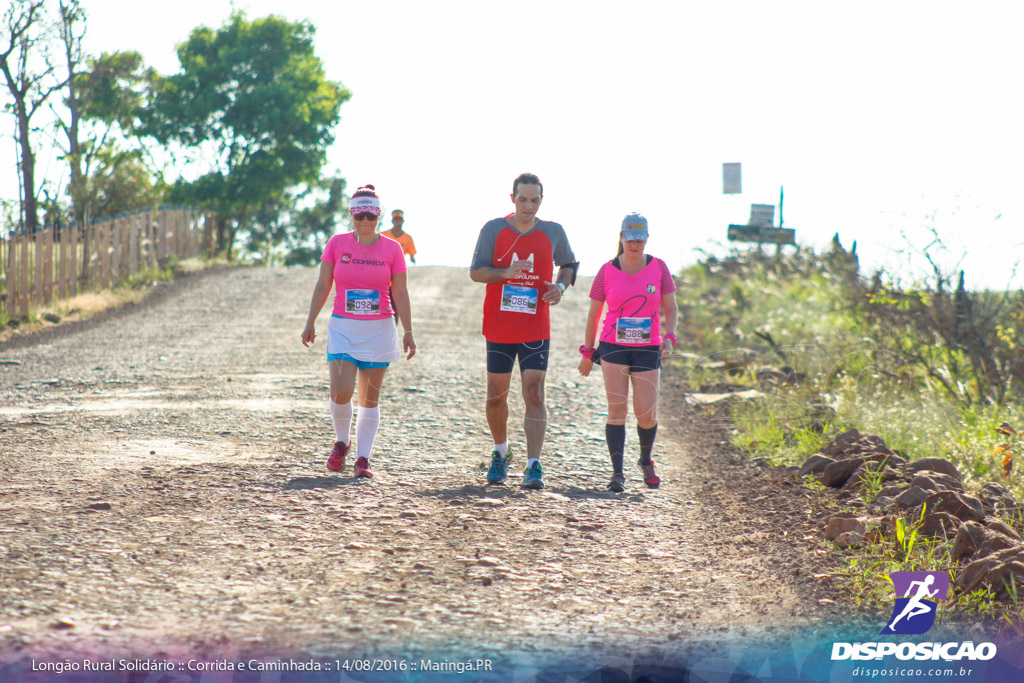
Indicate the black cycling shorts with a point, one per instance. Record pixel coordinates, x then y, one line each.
501 358
638 358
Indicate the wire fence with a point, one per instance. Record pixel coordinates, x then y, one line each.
61 261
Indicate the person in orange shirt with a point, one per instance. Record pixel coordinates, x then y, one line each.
403 238
397 234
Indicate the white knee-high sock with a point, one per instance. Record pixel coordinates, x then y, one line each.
341 415
366 430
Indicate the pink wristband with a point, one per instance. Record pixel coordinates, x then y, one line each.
672 338
587 351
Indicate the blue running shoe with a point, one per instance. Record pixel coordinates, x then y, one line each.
532 477
498 471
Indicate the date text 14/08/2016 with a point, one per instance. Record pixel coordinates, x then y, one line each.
457 667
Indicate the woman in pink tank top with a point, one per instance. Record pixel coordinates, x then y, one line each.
636 287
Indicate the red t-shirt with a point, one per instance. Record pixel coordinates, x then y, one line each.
514 310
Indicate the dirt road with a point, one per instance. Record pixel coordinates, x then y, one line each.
163 493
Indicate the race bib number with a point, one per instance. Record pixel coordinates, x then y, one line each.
362 301
633 331
519 299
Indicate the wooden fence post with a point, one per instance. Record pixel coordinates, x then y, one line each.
73 265
104 242
186 232
5 271
23 303
179 232
161 235
115 251
207 244
151 222
133 247
193 233
37 280
126 247
12 277
62 261
91 278
47 273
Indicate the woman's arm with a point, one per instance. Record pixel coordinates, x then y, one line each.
668 302
320 293
400 291
590 335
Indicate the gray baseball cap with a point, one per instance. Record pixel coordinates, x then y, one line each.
634 227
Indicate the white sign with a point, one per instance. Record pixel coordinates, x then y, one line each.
731 179
762 215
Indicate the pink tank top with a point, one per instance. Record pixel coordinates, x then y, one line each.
634 302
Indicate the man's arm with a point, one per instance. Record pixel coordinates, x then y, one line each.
565 258
488 274
567 274
482 270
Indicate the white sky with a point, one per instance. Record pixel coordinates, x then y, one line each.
875 116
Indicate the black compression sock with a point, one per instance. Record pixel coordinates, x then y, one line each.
615 435
646 443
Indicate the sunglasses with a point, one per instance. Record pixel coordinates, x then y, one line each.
364 216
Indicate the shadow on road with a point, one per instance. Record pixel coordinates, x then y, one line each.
498 492
599 494
321 483
471 492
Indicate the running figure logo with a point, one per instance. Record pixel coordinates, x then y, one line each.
916 593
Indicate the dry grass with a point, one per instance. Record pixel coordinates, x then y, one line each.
80 307
88 304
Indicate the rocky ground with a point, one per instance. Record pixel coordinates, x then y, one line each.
163 493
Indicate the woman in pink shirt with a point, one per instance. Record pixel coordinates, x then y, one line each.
636 287
362 338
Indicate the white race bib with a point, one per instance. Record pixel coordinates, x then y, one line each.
633 331
362 301
519 299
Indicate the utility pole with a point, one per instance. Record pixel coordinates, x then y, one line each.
780 206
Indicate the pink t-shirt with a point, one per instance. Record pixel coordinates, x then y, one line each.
362 275
634 302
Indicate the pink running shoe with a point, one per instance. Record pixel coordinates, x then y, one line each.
336 461
363 468
650 478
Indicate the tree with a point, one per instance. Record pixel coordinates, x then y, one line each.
314 225
110 94
25 62
253 95
121 181
104 98
72 30
294 228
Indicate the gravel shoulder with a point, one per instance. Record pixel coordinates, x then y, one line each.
163 493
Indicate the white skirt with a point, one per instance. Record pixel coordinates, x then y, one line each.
370 341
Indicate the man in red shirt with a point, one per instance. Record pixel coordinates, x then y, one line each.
515 258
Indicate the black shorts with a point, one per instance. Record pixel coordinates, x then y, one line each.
638 358
501 358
